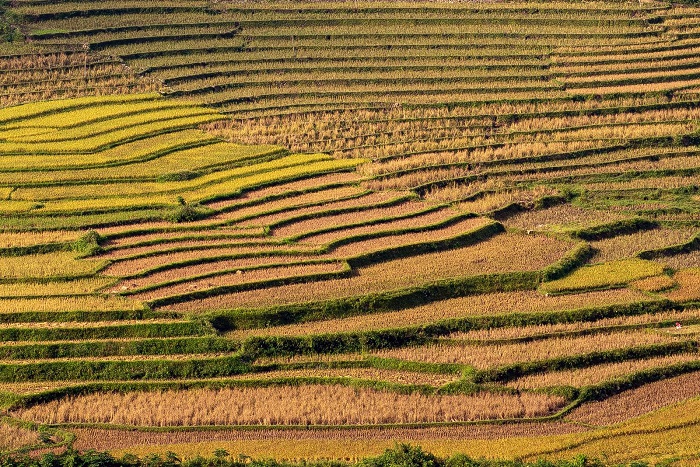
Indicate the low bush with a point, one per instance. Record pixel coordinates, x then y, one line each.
402 455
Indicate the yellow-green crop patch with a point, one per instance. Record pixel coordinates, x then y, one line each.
49 265
604 275
5 193
84 117
43 289
67 303
226 184
173 164
12 206
105 140
14 166
162 188
79 131
13 116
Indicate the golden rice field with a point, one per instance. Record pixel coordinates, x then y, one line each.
310 230
598 373
313 404
310 443
502 253
502 354
544 330
637 401
499 303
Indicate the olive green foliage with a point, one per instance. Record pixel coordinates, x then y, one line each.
88 244
187 212
9 24
402 455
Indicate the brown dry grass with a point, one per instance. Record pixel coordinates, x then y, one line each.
540 124
430 218
636 88
377 244
613 132
363 201
392 376
504 252
41 77
683 260
105 85
488 304
412 180
457 191
625 246
154 249
290 187
289 202
19 79
13 437
545 329
494 201
368 215
598 373
671 182
322 137
34 387
654 284
241 277
512 150
253 234
636 402
664 163
128 267
688 285
561 215
206 268
290 405
102 439
89 324
387 132
340 129
49 60
490 356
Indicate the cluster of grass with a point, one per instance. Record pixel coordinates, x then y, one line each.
48 76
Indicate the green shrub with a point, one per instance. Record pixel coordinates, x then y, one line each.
401 455
188 212
88 244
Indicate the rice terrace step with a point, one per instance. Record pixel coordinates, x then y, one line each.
350 233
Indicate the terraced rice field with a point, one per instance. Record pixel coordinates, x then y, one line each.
306 230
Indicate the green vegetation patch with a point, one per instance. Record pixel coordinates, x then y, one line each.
604 276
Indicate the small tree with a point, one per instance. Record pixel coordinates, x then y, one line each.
403 455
